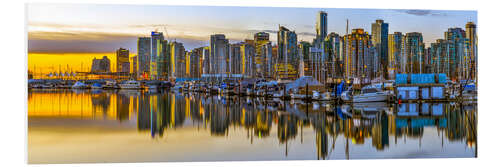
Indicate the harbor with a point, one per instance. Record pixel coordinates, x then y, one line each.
406 88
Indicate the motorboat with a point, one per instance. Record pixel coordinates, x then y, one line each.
131 84
371 94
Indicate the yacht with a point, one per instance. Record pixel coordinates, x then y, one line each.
131 84
371 94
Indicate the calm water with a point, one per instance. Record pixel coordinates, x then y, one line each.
67 126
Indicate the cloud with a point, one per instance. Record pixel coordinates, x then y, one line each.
74 35
51 37
423 12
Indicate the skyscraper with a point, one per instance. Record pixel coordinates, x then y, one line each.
304 55
470 34
196 62
380 32
219 54
156 54
287 53
236 62
177 58
261 39
100 65
457 50
357 54
394 57
143 53
247 53
412 52
164 61
122 60
321 27
333 61
134 67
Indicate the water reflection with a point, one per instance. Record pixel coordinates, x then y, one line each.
377 125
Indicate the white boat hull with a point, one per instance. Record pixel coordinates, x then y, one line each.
129 87
371 97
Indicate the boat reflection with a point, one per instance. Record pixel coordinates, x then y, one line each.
158 112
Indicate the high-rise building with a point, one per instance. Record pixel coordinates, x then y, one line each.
177 58
332 60
196 69
143 53
321 27
267 53
287 54
394 57
304 56
380 33
122 60
100 65
156 53
164 61
261 40
453 55
134 67
247 53
219 54
457 51
236 60
357 54
412 53
206 60
470 34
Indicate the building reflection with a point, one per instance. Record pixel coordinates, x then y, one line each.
360 124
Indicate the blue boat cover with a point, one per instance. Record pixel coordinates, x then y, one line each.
420 78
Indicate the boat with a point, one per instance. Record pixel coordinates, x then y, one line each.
131 84
80 85
326 96
110 85
346 95
316 95
371 94
469 92
96 86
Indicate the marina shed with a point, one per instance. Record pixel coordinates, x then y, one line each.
420 86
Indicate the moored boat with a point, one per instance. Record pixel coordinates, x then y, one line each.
371 94
131 84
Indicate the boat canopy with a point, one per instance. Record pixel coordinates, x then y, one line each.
96 85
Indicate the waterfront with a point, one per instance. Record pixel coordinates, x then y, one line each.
86 126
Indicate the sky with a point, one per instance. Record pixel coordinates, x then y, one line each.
98 28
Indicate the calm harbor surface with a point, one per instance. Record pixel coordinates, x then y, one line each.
89 126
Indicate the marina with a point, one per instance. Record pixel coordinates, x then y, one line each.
422 88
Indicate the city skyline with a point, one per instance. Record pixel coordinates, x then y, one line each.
103 29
